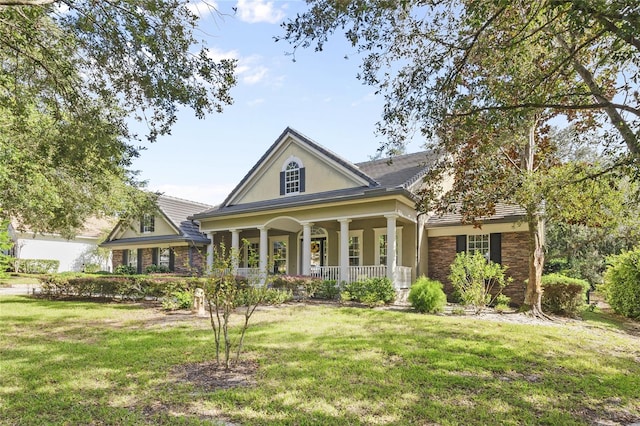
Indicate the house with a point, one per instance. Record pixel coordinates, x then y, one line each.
165 238
75 254
305 210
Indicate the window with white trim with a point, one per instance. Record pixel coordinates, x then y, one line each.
478 243
147 224
164 257
381 246
279 255
252 254
132 258
292 178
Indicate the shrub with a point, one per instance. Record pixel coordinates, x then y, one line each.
622 283
156 269
36 266
427 296
301 286
563 295
124 270
328 289
182 299
477 279
371 292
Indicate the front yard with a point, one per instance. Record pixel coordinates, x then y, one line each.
70 362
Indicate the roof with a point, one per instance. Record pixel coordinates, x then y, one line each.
400 171
94 227
177 211
504 213
384 176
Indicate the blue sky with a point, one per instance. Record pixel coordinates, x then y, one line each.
318 95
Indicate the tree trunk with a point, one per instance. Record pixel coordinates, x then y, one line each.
533 295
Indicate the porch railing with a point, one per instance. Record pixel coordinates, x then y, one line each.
401 279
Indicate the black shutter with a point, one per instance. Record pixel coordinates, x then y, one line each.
154 256
495 247
139 261
125 257
461 243
281 183
302 174
142 225
172 259
153 223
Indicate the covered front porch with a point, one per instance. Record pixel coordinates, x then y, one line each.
321 244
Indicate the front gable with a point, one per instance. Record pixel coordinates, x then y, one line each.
134 228
319 171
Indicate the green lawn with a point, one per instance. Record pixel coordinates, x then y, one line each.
90 363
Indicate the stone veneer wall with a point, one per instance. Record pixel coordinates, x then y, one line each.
515 255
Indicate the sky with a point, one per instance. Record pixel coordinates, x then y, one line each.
318 95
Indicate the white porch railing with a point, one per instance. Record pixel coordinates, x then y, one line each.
401 279
402 275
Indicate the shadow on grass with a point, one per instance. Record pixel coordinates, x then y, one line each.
318 365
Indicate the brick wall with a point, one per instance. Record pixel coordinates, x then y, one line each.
116 259
147 258
515 255
189 260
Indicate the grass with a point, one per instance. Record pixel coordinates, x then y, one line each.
90 363
9 280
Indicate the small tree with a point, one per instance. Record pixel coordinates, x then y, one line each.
226 292
478 280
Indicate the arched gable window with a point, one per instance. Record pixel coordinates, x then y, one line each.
292 177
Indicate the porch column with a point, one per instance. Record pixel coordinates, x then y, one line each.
391 246
209 266
235 249
344 249
306 248
264 249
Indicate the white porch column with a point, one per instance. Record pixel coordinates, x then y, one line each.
209 266
391 246
344 249
235 249
306 248
264 249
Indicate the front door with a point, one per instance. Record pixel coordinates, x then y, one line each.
318 251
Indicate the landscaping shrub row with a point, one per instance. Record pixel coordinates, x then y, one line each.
112 286
35 266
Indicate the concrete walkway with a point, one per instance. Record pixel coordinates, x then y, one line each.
19 289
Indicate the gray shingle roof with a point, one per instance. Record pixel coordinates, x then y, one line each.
400 171
504 213
178 211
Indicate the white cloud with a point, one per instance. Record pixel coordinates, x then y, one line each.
254 11
255 102
369 97
208 194
249 68
202 8
218 54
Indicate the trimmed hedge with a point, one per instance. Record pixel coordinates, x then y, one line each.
301 286
371 292
36 266
112 286
563 295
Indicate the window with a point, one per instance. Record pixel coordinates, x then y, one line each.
478 243
292 178
132 258
382 249
354 250
279 256
147 224
164 257
382 246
